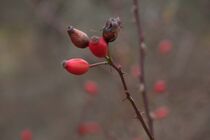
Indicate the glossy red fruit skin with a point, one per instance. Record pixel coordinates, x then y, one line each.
79 39
165 46
98 46
77 66
89 128
160 86
91 88
26 135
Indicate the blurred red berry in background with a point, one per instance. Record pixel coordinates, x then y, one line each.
76 66
135 71
91 87
160 86
165 46
160 113
98 46
86 128
26 135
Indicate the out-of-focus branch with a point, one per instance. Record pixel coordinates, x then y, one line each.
142 47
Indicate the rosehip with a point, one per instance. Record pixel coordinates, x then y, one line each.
89 128
98 46
135 71
76 66
160 86
26 135
165 46
78 38
160 113
111 29
91 87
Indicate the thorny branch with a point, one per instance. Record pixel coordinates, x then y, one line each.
129 97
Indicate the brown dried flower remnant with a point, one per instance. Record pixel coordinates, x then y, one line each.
111 29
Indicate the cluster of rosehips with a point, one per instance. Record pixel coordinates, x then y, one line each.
97 45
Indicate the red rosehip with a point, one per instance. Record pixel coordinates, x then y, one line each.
26 135
76 66
78 38
160 86
165 46
91 87
98 46
89 128
135 71
160 113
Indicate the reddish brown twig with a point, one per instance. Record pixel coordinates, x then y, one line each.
142 47
97 64
129 97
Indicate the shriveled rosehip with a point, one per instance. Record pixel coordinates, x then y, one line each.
89 128
98 46
91 87
26 135
165 46
76 66
160 86
78 38
111 29
160 113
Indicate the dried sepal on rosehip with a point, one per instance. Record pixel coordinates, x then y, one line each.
77 66
98 46
78 38
111 29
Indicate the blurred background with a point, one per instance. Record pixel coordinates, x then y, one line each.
37 94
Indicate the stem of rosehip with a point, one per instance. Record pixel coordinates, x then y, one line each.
128 96
99 63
